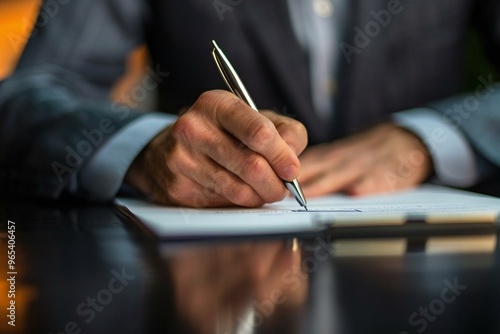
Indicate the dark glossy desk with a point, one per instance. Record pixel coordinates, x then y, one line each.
84 269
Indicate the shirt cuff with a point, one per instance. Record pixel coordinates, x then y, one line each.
453 158
101 178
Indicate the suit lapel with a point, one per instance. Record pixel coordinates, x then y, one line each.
284 59
344 72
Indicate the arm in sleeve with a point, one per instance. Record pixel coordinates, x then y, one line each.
455 163
463 131
475 117
477 113
56 98
101 178
453 158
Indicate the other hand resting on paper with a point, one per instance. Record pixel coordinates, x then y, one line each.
220 152
384 158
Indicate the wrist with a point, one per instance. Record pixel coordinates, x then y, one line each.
149 172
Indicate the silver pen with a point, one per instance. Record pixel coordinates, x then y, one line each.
236 86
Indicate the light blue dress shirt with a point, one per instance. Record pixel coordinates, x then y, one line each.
318 26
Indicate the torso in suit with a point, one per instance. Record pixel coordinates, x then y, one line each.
417 58
414 60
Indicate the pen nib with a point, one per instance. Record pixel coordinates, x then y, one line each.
305 206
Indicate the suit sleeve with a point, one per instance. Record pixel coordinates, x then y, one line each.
477 113
54 113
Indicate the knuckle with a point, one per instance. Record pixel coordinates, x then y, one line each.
295 126
172 165
301 130
184 128
261 132
254 168
294 134
231 103
221 101
229 188
238 195
220 181
199 200
207 97
219 147
277 194
175 193
176 161
286 132
248 198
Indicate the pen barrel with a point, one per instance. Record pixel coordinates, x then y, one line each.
231 78
237 87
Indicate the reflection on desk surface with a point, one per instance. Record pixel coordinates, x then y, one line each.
82 267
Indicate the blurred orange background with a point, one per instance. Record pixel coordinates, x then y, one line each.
17 19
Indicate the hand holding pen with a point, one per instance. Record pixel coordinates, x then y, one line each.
235 85
220 152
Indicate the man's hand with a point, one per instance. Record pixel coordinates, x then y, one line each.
385 158
220 152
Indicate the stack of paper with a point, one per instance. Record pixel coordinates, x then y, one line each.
428 204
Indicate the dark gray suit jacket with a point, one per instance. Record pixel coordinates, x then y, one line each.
78 50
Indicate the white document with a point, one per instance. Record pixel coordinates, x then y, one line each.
432 204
